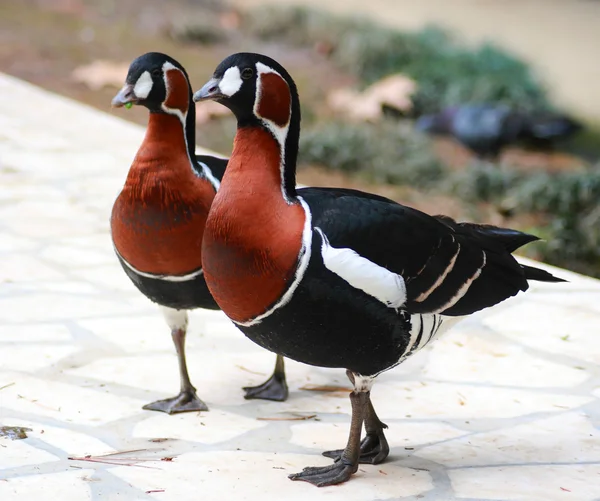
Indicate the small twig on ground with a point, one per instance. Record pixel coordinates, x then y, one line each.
251 372
293 417
316 387
117 461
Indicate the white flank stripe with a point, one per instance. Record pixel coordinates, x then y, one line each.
414 331
166 278
430 325
424 295
303 260
463 289
360 273
439 324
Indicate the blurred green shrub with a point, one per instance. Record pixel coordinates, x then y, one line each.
570 202
447 73
385 152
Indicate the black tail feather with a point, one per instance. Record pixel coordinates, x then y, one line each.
532 273
509 239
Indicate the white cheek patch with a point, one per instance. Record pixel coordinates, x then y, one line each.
360 273
143 86
231 81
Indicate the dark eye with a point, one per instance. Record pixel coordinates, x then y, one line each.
247 73
156 72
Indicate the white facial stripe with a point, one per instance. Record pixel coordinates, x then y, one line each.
231 81
143 86
169 66
360 273
263 68
303 261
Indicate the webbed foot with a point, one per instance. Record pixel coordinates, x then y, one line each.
186 401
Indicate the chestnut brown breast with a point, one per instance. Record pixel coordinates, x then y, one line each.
253 236
158 220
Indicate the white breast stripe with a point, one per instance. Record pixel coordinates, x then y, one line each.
303 260
209 175
166 278
424 295
463 289
360 273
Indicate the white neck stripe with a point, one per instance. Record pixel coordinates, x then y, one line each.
279 133
183 119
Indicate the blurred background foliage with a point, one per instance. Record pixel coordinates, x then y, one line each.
447 72
553 194
564 205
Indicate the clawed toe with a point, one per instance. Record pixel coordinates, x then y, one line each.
335 455
322 476
186 401
274 388
373 450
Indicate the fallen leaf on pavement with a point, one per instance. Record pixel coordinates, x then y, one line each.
100 74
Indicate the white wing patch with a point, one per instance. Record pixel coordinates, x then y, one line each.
143 86
360 273
231 81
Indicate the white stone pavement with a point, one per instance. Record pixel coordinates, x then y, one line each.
504 407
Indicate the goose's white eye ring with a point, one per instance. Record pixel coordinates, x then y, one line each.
247 73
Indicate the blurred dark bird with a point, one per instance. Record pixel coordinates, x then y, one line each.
486 129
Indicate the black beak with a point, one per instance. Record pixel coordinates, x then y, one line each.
125 96
210 90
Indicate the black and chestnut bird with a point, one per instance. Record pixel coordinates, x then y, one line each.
486 129
158 219
336 277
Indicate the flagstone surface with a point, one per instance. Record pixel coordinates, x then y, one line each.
504 407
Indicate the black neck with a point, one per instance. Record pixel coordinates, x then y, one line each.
190 126
292 144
